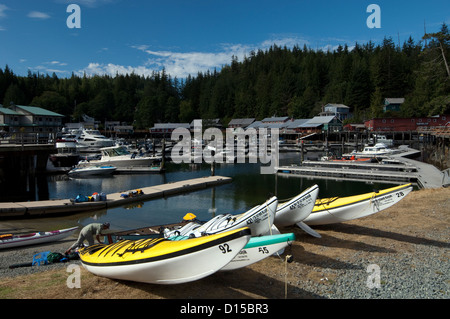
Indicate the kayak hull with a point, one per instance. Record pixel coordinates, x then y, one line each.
259 248
337 210
36 238
297 209
167 262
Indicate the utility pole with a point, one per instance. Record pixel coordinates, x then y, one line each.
445 60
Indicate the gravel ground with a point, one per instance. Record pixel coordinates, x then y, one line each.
10 257
422 274
408 245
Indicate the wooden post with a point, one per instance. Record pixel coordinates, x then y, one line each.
213 166
163 160
302 156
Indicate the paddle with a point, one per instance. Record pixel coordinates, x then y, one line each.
20 265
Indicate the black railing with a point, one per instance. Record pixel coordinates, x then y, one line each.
19 138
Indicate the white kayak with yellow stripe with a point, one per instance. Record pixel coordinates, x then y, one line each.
296 209
259 219
163 261
341 209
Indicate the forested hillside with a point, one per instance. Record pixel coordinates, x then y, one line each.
280 81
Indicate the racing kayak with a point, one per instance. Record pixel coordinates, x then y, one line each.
259 219
163 261
259 248
297 209
11 240
340 209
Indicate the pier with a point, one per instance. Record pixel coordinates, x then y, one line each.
397 168
66 206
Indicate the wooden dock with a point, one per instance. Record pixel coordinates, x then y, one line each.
355 173
58 206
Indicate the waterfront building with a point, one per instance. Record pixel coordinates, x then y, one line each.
406 124
321 124
340 111
235 123
30 119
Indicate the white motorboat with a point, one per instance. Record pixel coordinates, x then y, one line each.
94 140
67 153
91 170
378 149
381 139
119 156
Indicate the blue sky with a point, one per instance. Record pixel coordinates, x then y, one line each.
185 37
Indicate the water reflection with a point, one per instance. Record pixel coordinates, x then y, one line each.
249 188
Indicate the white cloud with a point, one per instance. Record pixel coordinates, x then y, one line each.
56 63
42 68
3 8
38 15
182 64
113 69
49 67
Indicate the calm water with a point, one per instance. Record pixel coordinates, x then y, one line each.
249 188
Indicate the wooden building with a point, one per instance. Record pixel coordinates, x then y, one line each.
406 124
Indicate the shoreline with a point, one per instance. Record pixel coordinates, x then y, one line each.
410 242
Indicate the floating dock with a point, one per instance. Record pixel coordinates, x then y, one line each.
398 169
58 206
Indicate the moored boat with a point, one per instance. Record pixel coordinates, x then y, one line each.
93 140
163 261
67 153
346 158
11 240
340 209
378 150
120 157
91 170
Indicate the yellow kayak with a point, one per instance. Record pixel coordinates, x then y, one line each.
341 209
163 261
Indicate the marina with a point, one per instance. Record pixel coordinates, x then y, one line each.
395 168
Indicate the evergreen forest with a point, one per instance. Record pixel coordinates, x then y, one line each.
280 81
